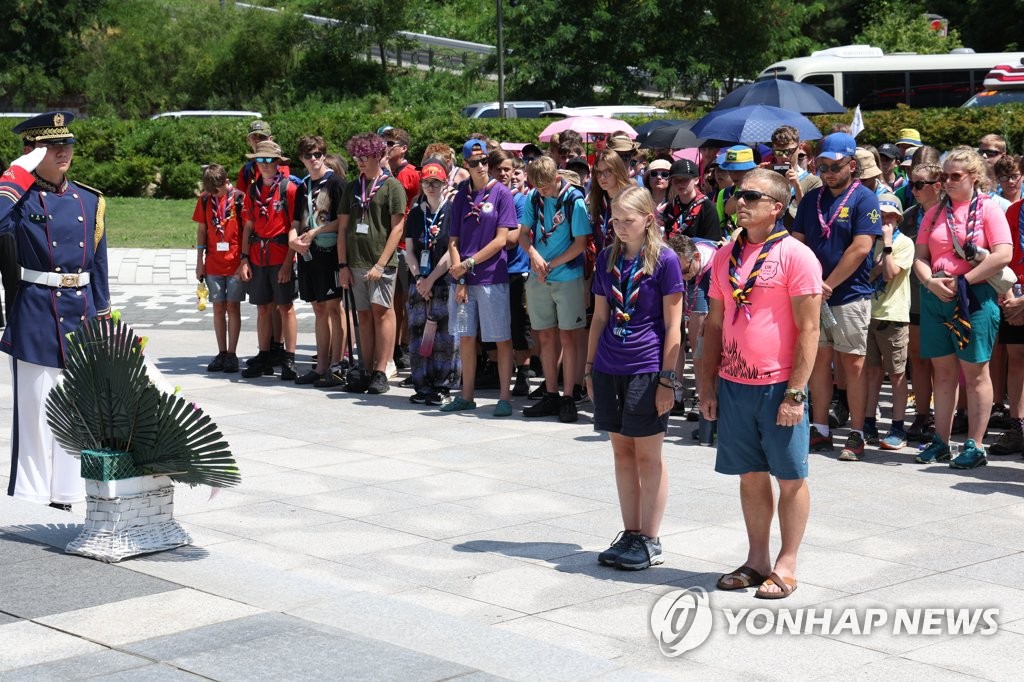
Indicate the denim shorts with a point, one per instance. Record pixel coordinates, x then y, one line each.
625 404
749 439
487 309
226 288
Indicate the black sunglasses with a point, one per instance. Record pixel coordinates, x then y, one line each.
313 155
921 184
989 153
660 174
833 167
474 163
752 195
266 159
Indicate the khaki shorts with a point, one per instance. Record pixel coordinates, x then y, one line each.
379 292
887 346
556 304
850 335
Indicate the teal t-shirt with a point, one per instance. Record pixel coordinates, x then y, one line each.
553 235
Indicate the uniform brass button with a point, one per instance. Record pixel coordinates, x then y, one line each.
58 294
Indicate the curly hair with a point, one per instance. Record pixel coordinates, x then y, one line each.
370 144
972 162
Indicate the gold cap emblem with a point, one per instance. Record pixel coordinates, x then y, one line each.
58 120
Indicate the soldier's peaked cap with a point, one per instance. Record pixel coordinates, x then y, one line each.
49 127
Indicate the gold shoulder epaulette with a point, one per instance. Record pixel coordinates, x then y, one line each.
91 189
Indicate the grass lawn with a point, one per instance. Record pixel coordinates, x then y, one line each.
150 223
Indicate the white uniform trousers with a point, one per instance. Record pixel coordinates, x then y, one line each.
41 470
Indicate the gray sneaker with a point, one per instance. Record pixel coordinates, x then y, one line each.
643 552
621 543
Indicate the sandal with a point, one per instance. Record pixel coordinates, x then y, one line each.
746 576
787 586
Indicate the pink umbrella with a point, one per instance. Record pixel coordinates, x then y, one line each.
585 125
691 153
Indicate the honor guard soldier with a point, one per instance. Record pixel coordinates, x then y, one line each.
62 251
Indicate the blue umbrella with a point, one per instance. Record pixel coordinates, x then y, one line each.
802 98
752 124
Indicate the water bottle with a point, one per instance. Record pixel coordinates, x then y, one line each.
308 256
202 294
461 319
706 431
828 320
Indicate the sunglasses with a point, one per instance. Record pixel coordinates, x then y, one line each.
752 195
833 167
432 184
313 155
476 163
1009 178
598 137
990 153
658 174
266 159
921 184
784 152
951 177
392 143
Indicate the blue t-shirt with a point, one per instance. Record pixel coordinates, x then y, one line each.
860 215
559 238
518 259
474 232
639 351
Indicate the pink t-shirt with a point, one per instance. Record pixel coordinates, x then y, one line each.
759 351
991 229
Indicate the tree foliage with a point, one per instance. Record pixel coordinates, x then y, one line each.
900 27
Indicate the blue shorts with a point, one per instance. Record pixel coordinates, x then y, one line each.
697 296
749 439
226 288
936 338
488 309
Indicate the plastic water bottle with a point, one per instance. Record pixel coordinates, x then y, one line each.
461 319
202 294
831 325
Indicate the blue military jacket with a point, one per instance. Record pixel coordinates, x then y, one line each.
57 229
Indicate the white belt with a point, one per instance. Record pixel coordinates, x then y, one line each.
68 280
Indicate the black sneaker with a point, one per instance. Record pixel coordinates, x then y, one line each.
959 423
838 414
217 364
567 410
330 379
401 358
694 412
406 382
621 543
487 378
1000 417
230 363
522 385
642 553
310 377
378 383
579 394
547 406
259 367
538 393
288 372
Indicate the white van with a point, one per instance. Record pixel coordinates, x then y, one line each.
1003 85
614 111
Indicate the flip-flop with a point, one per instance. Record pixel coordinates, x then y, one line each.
787 586
746 576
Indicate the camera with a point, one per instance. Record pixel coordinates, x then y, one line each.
974 253
781 168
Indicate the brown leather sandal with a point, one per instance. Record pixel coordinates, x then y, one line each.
740 579
787 586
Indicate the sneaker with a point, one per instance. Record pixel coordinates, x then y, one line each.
1010 443
331 379
678 409
217 364
402 358
378 383
579 394
260 367
418 398
643 552
929 429
406 382
694 412
914 432
821 443
310 377
621 543
548 406
230 363
937 451
971 457
959 423
288 372
894 440
522 385
853 451
1000 417
838 414
567 410
436 398
277 354
457 404
487 378
503 409
390 371
871 435
538 393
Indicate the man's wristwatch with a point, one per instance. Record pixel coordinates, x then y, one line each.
244 256
667 374
798 395
886 250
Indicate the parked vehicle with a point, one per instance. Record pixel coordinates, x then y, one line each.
190 113
1003 85
513 109
612 111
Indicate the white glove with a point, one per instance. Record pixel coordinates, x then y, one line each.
30 161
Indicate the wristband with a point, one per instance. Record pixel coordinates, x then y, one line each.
200 247
472 263
244 256
342 266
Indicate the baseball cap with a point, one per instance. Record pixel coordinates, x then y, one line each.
910 136
578 161
739 157
259 127
434 171
866 163
684 168
473 146
659 164
908 158
890 150
891 203
530 149
837 146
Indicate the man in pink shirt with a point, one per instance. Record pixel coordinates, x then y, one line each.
760 341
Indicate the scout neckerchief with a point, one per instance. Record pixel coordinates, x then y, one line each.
826 227
222 211
742 294
960 327
969 223
365 197
484 206
684 216
271 194
558 217
625 291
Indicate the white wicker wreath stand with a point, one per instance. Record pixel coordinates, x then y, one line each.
126 514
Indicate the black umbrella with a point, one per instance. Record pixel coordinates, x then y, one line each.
785 94
676 136
642 131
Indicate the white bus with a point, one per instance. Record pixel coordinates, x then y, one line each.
861 74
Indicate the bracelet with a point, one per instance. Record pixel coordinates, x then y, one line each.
342 266
472 263
588 375
244 256
664 385
200 247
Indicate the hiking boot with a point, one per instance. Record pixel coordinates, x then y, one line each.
310 377
838 414
820 442
217 364
230 363
548 406
288 372
959 423
914 432
871 435
643 552
1000 417
937 451
971 457
1010 443
378 383
853 451
259 367
538 393
894 440
522 385
567 410
619 545
579 394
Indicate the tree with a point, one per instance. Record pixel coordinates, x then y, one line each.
901 27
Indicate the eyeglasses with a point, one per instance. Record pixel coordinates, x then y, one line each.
990 153
475 163
752 195
658 174
952 177
313 155
784 152
599 172
1009 178
266 159
432 184
598 137
833 167
921 184
363 159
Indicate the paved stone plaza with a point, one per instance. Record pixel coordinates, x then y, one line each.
372 539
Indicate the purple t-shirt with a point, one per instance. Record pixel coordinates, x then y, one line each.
496 208
640 351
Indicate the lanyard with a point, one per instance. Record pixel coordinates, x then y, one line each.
559 215
826 227
625 292
606 219
366 197
742 294
431 230
475 207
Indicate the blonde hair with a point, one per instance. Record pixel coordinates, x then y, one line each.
971 160
638 200
597 194
542 171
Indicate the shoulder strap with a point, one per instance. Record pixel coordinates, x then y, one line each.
282 196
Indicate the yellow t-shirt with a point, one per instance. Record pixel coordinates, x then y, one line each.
894 303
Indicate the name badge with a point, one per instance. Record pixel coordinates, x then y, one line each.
424 261
223 246
362 228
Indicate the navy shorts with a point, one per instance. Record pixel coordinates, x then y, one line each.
624 404
749 439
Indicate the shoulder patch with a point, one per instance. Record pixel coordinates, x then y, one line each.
88 188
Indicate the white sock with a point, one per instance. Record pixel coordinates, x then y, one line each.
822 429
